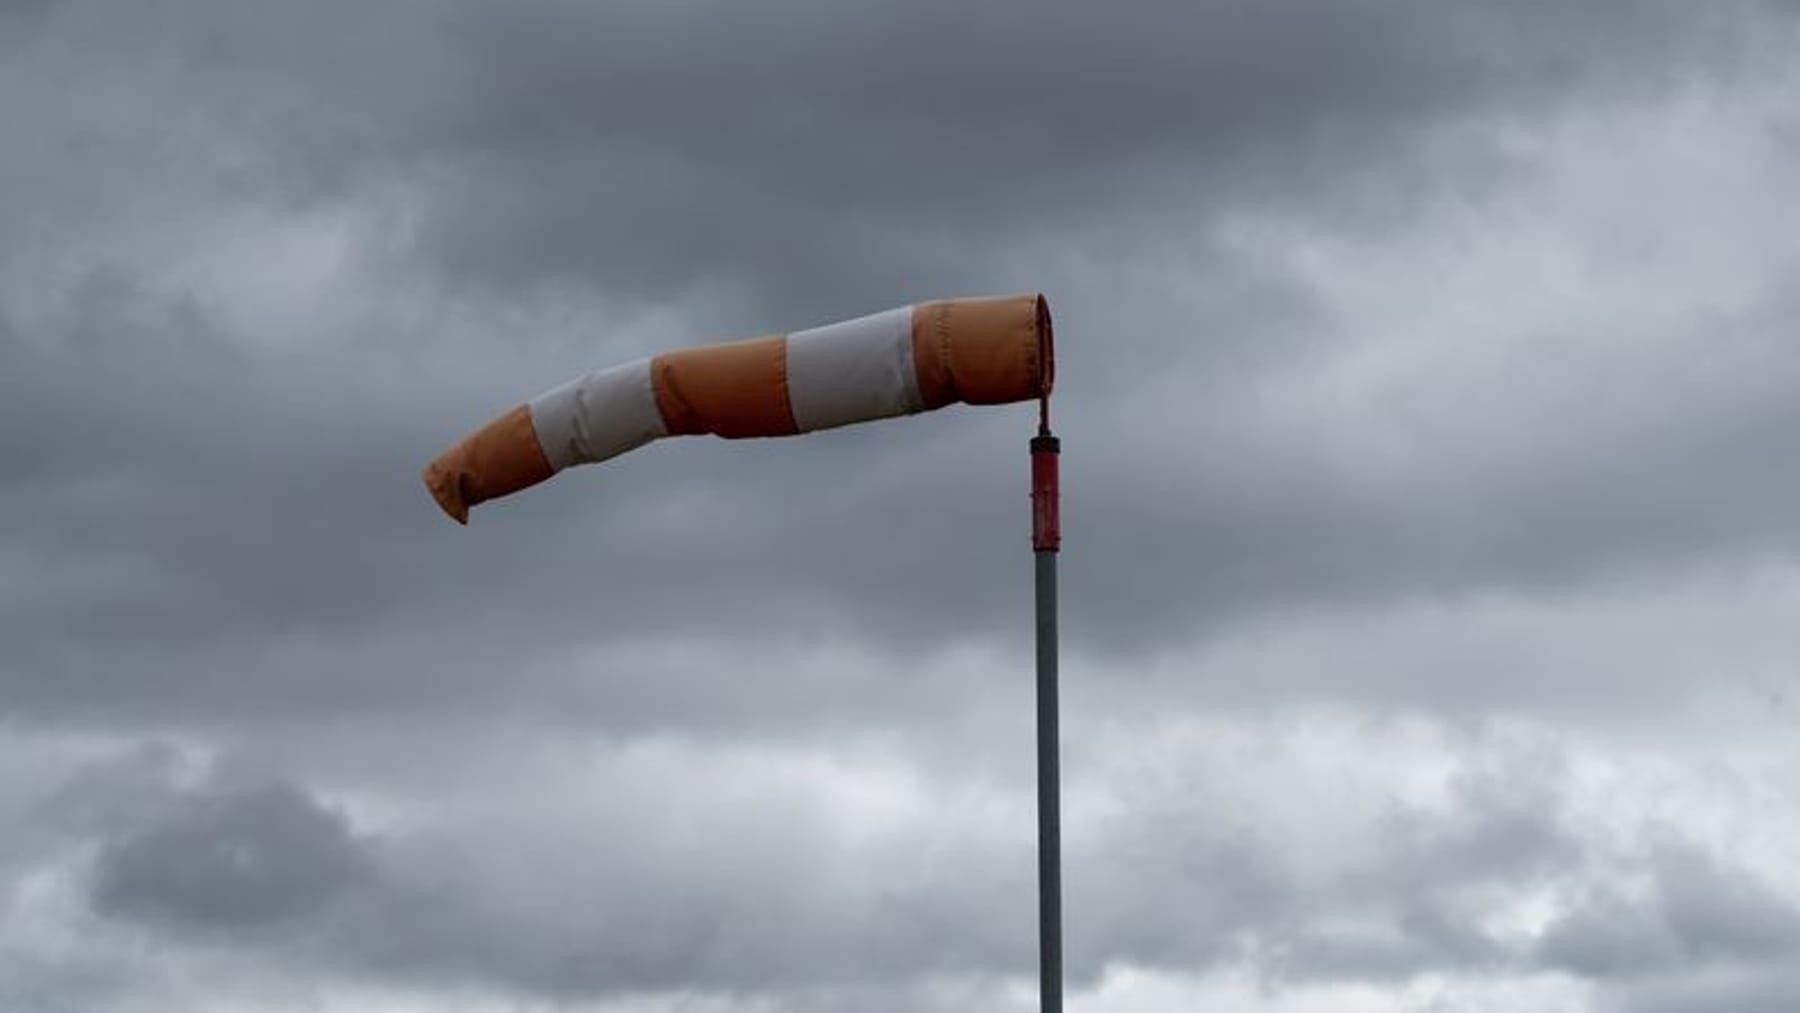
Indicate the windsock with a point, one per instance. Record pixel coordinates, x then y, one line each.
912 359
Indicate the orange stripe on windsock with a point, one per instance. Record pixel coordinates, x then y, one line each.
734 390
979 351
982 351
498 458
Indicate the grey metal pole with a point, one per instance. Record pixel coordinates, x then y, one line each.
1046 540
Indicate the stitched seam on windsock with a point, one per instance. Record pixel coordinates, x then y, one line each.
679 417
931 363
909 371
1029 347
1044 340
781 381
945 355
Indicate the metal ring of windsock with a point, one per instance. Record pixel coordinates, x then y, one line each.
980 351
907 360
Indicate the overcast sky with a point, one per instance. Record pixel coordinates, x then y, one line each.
1429 382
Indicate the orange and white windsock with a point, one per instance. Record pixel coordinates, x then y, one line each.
913 359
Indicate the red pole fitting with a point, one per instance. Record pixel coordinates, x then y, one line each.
1046 520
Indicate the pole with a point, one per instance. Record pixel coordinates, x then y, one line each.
1046 539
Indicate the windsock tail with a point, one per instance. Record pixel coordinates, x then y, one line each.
501 457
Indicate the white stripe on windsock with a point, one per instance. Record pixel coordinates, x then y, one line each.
597 416
853 371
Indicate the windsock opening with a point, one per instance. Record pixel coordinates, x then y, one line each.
1046 336
981 351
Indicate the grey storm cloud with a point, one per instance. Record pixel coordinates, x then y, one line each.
1748 992
1695 910
223 496
627 893
230 860
823 160
627 888
1430 360
531 902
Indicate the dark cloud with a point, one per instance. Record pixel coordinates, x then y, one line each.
802 149
231 859
1760 990
623 892
201 493
1188 887
1696 911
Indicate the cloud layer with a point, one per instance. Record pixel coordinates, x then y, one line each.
1425 377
